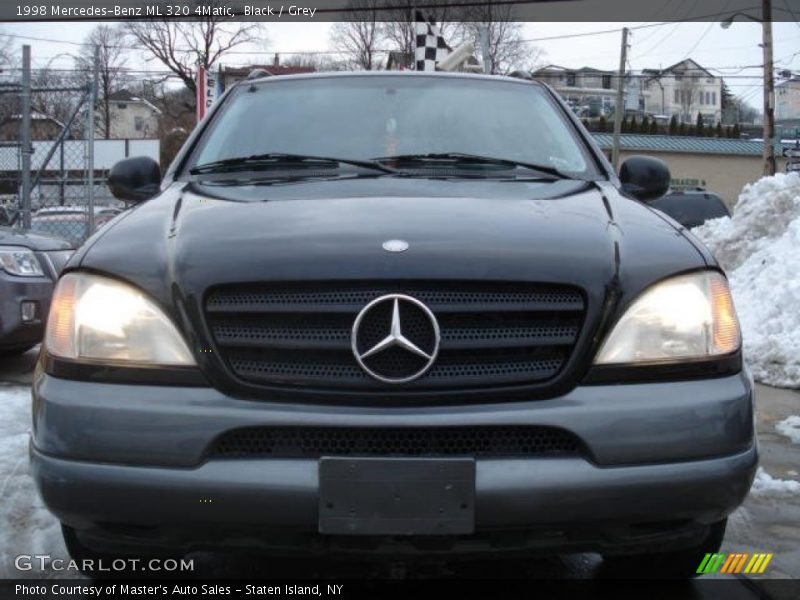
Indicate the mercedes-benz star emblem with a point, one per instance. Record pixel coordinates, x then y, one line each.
395 338
395 245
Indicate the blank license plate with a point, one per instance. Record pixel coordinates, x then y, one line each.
396 496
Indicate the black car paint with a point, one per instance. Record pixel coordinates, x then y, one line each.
692 208
175 247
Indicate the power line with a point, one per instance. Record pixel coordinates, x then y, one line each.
529 40
668 34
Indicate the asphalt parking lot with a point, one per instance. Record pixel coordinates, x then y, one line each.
769 521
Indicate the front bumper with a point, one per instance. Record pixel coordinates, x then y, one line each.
131 460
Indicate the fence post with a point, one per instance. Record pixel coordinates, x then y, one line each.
25 136
90 138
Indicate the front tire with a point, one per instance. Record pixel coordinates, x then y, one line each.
678 564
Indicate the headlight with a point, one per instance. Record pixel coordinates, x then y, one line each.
18 260
102 320
689 316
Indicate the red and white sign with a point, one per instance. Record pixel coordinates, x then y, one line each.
208 89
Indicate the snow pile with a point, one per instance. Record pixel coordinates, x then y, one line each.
765 485
25 525
759 248
790 427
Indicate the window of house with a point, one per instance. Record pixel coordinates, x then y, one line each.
606 82
677 96
571 79
121 105
138 123
713 97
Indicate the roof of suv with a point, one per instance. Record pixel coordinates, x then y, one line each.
443 74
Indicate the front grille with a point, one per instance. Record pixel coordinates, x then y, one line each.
313 442
300 335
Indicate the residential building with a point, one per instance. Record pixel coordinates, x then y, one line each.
684 89
787 100
131 117
43 127
590 92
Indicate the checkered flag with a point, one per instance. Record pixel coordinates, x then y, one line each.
431 47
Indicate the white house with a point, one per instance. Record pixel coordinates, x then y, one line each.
684 89
132 117
787 100
590 92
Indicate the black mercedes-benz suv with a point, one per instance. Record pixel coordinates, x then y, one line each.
387 314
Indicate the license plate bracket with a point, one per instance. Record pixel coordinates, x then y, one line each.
396 496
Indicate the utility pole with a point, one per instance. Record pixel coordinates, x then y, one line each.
25 136
769 89
619 109
90 122
487 59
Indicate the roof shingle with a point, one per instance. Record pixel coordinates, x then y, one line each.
684 144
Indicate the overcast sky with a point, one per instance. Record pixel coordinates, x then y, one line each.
728 51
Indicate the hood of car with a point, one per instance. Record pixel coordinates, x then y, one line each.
184 242
34 241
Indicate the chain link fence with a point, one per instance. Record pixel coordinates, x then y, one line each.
53 187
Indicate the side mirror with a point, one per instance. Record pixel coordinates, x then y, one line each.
135 179
644 177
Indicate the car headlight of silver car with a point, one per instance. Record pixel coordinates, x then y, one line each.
99 319
18 260
685 317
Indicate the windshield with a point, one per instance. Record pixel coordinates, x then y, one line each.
368 118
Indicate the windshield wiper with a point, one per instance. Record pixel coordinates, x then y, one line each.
280 159
462 157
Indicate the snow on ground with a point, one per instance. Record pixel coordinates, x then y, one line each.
759 248
25 525
766 485
790 427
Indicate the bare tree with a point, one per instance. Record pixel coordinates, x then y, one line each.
49 102
181 46
688 88
112 76
319 62
7 58
507 49
746 112
358 40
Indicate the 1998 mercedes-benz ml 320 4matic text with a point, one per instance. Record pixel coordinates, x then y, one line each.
393 314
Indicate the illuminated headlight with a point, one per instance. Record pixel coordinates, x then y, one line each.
102 320
685 317
18 260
